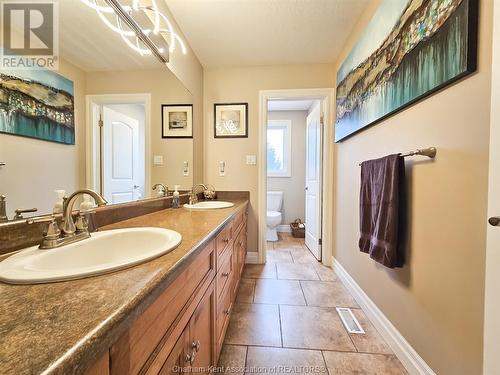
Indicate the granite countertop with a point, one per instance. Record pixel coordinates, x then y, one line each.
64 327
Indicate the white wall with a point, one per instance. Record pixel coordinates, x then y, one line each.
292 187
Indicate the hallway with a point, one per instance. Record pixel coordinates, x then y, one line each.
284 321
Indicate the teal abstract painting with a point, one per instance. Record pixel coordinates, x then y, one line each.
409 50
37 104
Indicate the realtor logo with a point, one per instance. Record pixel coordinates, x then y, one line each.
29 34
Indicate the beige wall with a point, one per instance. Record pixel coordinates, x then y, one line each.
492 292
35 168
164 88
436 300
227 85
292 187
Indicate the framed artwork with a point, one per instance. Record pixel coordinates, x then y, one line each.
37 104
177 120
408 51
231 120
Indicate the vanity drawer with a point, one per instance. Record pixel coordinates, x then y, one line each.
223 240
224 307
131 352
225 272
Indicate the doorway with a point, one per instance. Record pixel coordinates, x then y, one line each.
294 152
118 142
293 149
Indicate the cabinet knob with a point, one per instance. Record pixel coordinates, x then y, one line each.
225 274
226 240
190 358
227 312
196 345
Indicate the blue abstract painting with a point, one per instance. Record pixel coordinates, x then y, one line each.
409 50
37 104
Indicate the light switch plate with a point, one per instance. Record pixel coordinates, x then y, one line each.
251 160
158 160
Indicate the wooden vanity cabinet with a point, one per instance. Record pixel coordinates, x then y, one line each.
182 331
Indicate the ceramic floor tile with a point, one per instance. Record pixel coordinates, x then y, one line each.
285 361
254 324
370 341
245 291
260 271
313 328
287 292
303 255
292 271
327 294
232 359
279 256
326 273
360 363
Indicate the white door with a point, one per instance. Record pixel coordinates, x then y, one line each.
313 181
492 291
122 177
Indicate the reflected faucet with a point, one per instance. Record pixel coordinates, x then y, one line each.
193 198
161 188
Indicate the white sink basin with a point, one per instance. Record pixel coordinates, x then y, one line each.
103 252
209 205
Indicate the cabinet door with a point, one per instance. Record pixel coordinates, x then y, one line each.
177 361
202 334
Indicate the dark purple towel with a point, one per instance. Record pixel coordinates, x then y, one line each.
379 209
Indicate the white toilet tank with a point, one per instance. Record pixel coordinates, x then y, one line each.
274 200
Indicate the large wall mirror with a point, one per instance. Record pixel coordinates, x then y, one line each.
108 118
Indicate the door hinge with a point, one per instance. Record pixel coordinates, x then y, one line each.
100 123
322 119
320 241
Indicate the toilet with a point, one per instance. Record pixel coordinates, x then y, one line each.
274 204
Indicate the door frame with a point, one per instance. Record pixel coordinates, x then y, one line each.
92 165
326 96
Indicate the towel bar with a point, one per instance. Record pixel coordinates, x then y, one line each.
430 152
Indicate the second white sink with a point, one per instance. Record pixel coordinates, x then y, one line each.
102 253
209 205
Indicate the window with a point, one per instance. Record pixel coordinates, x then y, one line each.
279 148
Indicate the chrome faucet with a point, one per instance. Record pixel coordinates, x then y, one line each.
71 232
3 209
193 198
161 188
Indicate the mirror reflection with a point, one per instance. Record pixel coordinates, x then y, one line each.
108 119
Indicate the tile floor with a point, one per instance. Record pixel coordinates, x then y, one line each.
284 321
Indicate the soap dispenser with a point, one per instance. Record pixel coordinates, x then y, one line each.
175 197
59 204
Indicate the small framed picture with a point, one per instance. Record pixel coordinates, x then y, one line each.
231 120
177 120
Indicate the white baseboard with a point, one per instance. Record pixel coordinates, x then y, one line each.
284 228
410 359
252 258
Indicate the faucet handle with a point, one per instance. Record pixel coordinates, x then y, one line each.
82 224
19 212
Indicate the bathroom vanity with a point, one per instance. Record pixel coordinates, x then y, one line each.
166 315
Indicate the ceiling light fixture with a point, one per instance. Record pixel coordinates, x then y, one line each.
144 28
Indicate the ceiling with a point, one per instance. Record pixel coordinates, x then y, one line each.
85 41
266 32
289 105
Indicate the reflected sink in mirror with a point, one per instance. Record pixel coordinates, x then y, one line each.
104 252
209 205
